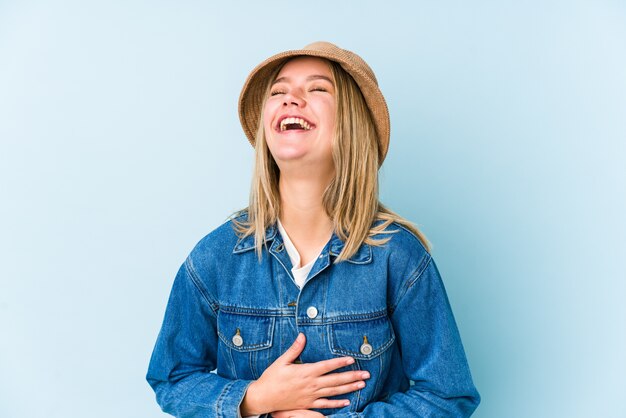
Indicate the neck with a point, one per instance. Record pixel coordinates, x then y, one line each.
301 202
302 212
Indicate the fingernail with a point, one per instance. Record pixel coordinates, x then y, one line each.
350 361
300 337
346 403
365 375
361 385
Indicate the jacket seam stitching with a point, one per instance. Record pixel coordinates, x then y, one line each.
201 289
412 234
220 398
414 278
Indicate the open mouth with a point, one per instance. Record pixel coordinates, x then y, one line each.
294 123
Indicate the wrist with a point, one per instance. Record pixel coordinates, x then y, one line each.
253 402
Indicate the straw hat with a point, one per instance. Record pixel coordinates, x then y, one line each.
251 97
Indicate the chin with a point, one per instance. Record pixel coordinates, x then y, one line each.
287 157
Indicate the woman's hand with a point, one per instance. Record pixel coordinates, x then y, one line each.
299 413
287 386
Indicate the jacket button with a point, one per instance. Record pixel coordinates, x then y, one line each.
311 312
237 340
280 247
366 347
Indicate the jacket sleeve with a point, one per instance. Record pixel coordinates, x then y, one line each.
432 355
183 363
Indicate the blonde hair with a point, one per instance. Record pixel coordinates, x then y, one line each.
351 198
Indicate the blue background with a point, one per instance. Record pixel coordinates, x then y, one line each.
120 147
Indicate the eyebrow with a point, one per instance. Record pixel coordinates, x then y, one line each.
309 78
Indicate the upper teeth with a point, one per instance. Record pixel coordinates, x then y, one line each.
299 121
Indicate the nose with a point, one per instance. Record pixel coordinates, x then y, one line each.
293 98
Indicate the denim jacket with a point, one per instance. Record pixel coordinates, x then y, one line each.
229 316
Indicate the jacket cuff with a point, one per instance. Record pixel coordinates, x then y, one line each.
230 399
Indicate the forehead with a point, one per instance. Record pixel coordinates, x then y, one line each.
305 66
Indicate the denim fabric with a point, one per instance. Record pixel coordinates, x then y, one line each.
230 316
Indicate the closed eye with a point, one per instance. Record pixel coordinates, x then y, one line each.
277 92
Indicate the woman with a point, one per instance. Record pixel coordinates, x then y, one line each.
315 300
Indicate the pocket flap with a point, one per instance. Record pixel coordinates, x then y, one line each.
348 338
253 332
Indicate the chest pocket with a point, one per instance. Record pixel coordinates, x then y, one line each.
363 340
245 344
368 342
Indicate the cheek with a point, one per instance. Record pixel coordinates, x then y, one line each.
268 114
267 122
331 119
331 113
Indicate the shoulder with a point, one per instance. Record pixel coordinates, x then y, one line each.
212 256
404 255
219 242
402 243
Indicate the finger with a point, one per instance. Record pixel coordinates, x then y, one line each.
323 403
341 390
326 366
294 351
299 413
338 379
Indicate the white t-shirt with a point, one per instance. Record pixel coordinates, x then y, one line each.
299 273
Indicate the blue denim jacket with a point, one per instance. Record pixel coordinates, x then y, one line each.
230 316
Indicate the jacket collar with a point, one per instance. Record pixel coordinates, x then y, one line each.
362 256
246 243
